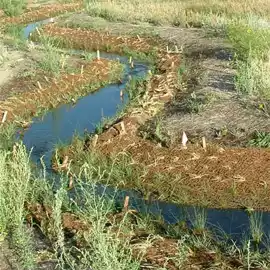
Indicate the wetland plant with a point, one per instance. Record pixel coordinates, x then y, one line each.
198 219
15 185
256 227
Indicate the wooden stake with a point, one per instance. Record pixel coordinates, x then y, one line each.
4 117
176 49
39 85
81 69
98 55
94 141
204 143
167 48
70 183
123 128
126 203
132 65
172 65
139 38
130 59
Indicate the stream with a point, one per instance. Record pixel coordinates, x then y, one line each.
60 125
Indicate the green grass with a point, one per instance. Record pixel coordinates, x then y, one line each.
13 7
14 188
252 46
260 139
52 61
256 227
16 36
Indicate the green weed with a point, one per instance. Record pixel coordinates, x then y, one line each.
198 219
249 42
15 32
260 139
52 61
195 103
13 7
15 182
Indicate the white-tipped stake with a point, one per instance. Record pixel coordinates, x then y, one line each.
130 59
98 55
81 69
150 72
172 65
204 143
39 85
132 64
167 49
138 37
184 140
176 49
4 117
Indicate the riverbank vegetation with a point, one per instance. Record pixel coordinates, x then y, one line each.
83 217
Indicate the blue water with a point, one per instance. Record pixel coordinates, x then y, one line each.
60 124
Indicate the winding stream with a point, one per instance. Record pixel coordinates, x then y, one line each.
60 124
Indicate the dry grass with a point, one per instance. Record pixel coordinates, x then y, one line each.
177 12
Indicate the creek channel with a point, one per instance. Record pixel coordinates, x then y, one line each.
60 125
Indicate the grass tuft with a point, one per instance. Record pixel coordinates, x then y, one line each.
13 7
